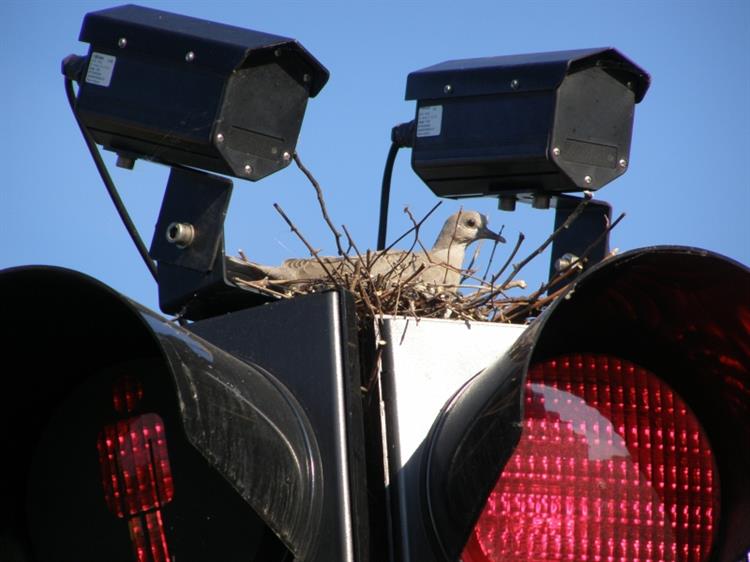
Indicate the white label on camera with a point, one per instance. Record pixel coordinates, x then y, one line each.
100 69
429 121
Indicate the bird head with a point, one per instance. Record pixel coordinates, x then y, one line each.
463 228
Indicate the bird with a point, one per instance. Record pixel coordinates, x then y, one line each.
440 266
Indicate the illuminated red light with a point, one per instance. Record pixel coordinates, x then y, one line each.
127 392
136 475
611 466
135 465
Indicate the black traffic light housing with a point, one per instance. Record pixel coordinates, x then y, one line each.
181 90
679 312
525 124
262 418
264 421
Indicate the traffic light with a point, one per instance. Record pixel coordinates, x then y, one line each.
129 437
614 427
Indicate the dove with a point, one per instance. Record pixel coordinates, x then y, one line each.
439 266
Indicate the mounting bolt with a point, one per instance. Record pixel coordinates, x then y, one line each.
507 203
514 84
541 201
248 169
125 162
219 137
286 156
181 234
566 261
189 56
587 180
448 89
122 42
306 77
623 163
556 151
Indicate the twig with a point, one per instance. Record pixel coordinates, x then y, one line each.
521 238
321 202
480 300
474 258
415 228
573 216
260 287
313 251
492 257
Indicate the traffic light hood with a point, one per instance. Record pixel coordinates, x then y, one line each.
245 428
681 312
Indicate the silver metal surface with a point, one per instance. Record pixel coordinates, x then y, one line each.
424 363
180 234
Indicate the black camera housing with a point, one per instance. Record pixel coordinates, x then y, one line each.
531 124
185 91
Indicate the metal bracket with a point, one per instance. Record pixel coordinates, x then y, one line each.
590 227
188 245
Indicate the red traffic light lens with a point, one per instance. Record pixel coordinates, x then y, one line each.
611 465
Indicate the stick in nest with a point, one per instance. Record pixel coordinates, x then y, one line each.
396 293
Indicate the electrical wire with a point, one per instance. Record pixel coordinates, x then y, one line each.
108 183
402 136
385 194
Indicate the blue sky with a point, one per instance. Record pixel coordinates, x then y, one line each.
687 183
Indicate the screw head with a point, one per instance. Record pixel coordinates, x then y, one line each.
623 163
219 137
306 77
122 42
181 234
248 169
587 180
514 84
189 56
286 156
556 151
448 89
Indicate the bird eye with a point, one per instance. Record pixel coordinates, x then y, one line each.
471 222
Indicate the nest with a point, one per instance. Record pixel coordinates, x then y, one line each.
488 298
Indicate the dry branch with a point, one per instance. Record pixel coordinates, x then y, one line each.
399 291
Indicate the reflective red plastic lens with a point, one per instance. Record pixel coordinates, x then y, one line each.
136 475
611 466
135 465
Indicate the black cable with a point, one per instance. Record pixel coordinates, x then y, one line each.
108 183
401 136
385 194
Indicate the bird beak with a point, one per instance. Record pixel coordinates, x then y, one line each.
485 232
